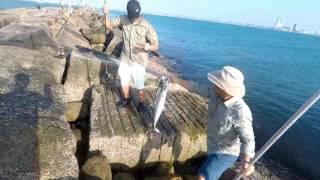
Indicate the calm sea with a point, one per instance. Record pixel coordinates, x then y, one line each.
282 71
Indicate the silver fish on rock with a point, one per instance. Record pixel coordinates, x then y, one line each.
160 100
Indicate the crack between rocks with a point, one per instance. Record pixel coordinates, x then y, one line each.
66 69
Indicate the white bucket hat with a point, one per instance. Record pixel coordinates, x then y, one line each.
230 80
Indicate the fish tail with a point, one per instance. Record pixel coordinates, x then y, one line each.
156 130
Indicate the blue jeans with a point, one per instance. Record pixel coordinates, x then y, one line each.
215 165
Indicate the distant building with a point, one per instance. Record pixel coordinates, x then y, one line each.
305 31
279 23
294 28
286 28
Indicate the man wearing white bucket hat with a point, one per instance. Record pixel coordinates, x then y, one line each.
230 132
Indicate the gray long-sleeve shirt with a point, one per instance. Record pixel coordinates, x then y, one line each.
229 124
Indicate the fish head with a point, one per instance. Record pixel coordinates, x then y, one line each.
164 82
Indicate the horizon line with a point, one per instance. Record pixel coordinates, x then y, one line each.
217 21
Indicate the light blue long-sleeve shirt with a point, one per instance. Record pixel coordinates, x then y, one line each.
230 128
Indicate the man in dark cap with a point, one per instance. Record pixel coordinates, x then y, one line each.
139 38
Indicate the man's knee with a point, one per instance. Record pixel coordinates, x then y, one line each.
124 73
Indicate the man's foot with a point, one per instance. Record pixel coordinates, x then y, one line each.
124 102
142 108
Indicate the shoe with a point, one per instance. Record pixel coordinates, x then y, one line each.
142 108
124 102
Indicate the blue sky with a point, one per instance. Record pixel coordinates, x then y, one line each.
305 13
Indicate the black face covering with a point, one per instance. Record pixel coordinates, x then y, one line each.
134 9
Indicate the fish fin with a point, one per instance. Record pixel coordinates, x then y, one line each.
156 97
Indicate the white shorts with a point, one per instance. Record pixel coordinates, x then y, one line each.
134 71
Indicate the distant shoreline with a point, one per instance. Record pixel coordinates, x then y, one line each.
220 22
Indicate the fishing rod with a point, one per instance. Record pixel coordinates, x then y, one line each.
311 101
109 60
66 20
61 30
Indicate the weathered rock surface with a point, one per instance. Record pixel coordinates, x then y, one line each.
96 35
76 111
83 73
97 167
44 30
168 177
162 169
36 141
27 36
124 136
35 29
6 20
114 46
123 176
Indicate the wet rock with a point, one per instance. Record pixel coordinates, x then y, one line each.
124 176
97 167
264 169
38 142
76 111
163 169
168 177
190 177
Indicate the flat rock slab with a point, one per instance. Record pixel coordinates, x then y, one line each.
125 136
83 72
43 29
36 141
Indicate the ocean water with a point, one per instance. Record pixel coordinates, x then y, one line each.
6 4
282 70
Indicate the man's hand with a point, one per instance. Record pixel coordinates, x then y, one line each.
142 48
146 47
105 9
245 167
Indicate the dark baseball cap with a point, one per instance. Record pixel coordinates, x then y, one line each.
134 9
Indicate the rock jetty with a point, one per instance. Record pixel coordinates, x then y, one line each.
57 106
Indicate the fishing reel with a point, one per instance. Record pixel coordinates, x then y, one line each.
60 53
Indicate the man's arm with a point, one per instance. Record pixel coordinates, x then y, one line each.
192 86
152 37
108 24
245 131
